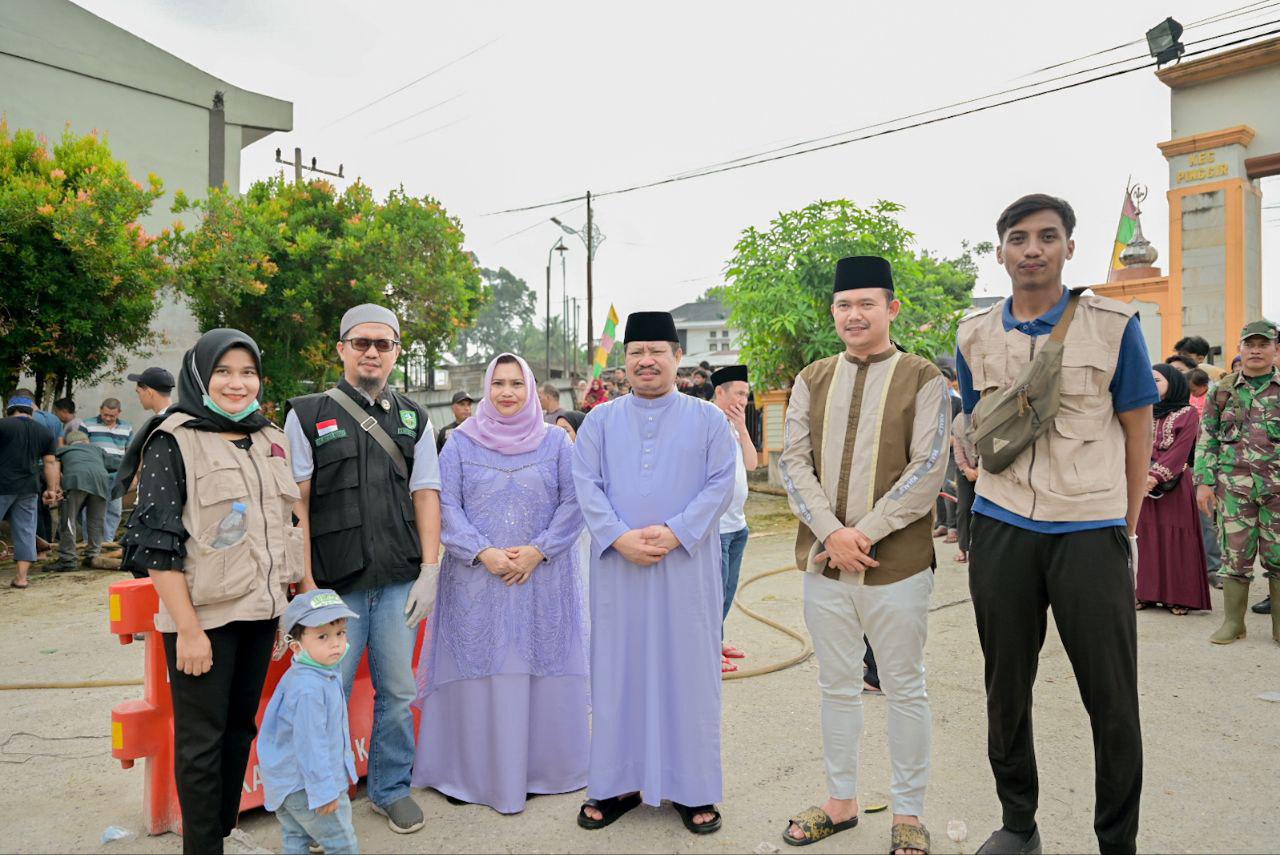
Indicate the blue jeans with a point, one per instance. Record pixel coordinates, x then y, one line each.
379 626
301 825
732 545
22 521
111 519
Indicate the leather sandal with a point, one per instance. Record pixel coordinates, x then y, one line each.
816 826
610 810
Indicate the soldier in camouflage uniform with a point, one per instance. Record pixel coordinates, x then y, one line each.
1238 470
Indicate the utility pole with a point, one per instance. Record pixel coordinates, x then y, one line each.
591 251
298 165
547 375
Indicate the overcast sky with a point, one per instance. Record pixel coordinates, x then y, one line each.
567 97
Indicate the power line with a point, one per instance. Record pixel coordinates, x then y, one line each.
414 82
1239 11
815 148
419 113
954 104
433 130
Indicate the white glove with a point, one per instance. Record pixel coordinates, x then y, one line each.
422 596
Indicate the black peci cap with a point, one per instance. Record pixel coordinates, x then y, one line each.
728 374
863 271
651 326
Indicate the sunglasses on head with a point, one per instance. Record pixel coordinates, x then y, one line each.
382 345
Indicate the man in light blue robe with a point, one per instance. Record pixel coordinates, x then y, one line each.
654 472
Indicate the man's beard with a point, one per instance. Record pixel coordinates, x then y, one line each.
371 386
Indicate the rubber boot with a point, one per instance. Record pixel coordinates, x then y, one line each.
1274 586
1235 599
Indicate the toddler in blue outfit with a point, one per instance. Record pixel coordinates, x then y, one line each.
304 746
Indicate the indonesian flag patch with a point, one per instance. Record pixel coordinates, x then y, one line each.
326 427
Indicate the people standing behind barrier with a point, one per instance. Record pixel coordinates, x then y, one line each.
365 462
503 688
304 752
213 528
461 404
86 487
966 460
113 434
653 472
1237 474
1171 558
863 459
23 443
1053 515
731 394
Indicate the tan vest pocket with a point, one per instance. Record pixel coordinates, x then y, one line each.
221 574
295 544
1079 462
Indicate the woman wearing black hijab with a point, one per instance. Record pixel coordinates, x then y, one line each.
1171 558
213 527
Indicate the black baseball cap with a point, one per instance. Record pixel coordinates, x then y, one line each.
461 395
154 378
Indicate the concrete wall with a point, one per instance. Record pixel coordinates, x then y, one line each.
1204 260
1248 98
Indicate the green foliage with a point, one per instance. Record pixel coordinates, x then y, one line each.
509 307
286 260
79 274
779 286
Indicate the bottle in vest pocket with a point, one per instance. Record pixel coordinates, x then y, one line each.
232 527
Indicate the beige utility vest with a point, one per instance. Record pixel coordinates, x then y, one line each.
250 579
1075 472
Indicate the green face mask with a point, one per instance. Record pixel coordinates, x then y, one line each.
306 659
235 417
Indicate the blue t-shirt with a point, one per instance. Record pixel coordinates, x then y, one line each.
1132 386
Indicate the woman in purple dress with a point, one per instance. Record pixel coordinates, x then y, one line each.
1171 559
503 676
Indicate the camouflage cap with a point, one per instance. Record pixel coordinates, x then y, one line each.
1264 328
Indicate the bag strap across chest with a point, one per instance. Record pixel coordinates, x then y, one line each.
370 425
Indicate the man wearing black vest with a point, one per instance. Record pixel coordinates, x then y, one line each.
364 457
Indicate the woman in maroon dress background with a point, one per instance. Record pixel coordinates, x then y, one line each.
1171 559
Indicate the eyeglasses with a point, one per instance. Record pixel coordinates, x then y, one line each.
383 345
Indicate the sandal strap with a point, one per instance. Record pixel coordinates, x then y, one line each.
906 836
814 822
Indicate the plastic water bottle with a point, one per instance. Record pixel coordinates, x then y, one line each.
232 527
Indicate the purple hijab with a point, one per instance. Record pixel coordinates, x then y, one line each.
518 433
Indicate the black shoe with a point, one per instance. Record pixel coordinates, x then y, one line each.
1215 581
1262 608
1006 842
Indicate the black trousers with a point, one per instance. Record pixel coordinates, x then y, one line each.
964 508
1015 575
213 728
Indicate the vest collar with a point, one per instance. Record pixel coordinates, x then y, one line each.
873 358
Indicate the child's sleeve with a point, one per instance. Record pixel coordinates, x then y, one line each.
322 782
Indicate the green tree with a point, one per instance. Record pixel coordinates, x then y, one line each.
779 286
508 309
80 276
286 260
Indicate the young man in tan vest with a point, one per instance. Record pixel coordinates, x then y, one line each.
1053 528
864 454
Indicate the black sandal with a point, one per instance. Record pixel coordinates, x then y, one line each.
688 813
610 810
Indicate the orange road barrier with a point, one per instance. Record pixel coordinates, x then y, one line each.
143 729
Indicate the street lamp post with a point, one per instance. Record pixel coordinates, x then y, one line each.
558 247
591 237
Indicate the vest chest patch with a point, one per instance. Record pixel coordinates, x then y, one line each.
409 419
335 433
406 431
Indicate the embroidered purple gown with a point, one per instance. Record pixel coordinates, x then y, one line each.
503 676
